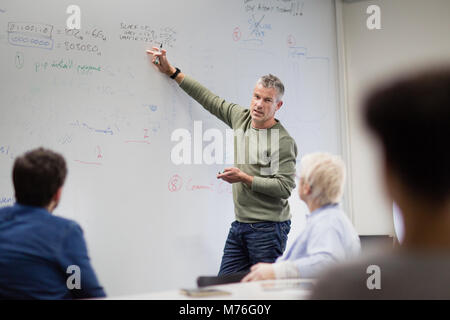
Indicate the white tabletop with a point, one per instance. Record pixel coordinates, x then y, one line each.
286 289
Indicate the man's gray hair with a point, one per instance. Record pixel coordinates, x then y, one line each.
271 81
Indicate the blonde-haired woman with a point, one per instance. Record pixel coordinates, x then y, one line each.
328 237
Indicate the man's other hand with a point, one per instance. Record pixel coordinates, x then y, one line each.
233 175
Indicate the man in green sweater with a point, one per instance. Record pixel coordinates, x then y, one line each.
263 172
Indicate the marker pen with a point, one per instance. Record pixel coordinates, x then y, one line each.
157 58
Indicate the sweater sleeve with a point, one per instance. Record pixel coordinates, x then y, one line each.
281 183
225 111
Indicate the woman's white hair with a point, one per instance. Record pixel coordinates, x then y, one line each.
325 174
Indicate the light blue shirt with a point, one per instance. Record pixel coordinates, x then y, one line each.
328 237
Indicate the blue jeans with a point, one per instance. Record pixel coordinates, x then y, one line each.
250 243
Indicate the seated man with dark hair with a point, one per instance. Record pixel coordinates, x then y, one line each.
411 119
42 256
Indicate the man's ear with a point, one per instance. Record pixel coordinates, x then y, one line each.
55 200
57 195
279 104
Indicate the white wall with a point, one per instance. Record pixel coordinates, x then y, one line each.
414 33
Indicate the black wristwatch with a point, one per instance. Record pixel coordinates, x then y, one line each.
175 73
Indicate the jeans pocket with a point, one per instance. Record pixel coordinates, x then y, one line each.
286 226
263 226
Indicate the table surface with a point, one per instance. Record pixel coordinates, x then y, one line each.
285 289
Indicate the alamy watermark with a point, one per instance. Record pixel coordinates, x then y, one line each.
254 146
374 281
74 20
74 280
374 20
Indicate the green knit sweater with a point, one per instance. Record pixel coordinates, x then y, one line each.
272 166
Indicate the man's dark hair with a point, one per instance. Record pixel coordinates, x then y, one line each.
411 117
37 176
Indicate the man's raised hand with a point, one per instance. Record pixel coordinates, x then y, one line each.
163 64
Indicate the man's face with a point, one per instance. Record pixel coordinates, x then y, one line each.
263 106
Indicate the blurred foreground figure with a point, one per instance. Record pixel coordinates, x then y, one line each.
411 119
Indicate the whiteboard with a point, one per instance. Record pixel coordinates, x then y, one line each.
94 96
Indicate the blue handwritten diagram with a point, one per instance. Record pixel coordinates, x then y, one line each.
35 35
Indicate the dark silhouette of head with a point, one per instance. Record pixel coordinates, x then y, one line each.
37 176
411 119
